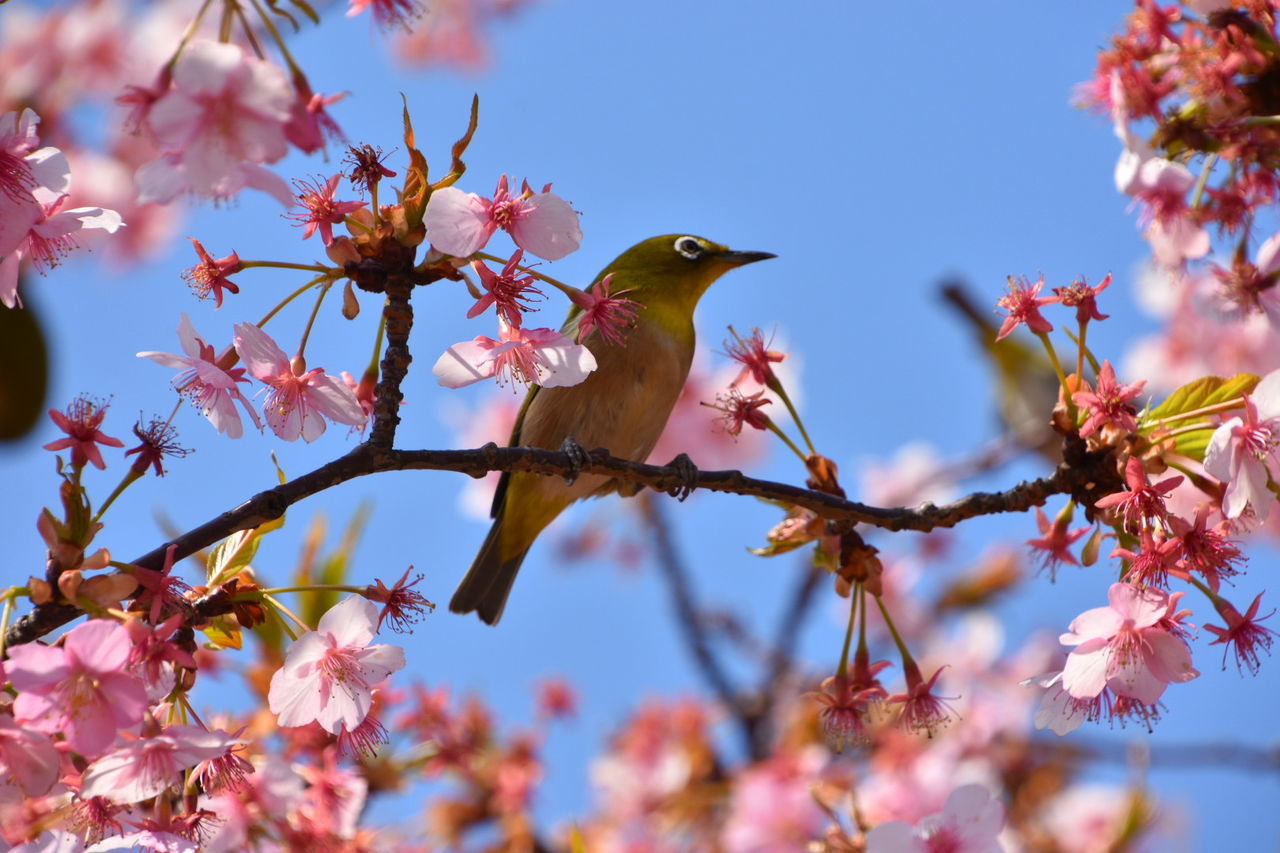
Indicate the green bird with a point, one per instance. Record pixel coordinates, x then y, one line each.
623 405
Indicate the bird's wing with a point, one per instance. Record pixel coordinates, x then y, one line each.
500 493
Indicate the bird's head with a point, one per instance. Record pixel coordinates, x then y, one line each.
674 270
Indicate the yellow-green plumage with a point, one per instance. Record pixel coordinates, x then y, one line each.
623 405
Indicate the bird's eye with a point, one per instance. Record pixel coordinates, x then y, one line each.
689 247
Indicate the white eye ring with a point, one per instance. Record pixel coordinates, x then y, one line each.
689 247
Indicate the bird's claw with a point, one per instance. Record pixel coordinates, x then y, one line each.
578 458
688 474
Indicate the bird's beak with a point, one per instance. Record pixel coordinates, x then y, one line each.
737 259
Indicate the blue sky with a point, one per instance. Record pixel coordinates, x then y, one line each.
874 148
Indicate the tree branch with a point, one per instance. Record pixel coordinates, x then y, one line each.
1089 476
688 618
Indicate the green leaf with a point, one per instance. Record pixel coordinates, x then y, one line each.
224 633
1194 444
1199 394
231 555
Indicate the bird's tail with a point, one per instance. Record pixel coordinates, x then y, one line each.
488 582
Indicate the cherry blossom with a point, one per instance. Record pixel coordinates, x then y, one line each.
224 116
28 758
1055 539
460 223
321 210
159 439
299 400
211 274
33 223
1242 452
1126 646
1142 503
536 356
388 13
607 312
329 673
145 766
1023 302
80 689
753 353
772 808
1083 298
970 822
1243 634
1161 185
18 138
505 290
1109 404
209 387
310 123
82 422
922 711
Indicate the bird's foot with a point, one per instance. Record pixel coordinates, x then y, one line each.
578 458
688 474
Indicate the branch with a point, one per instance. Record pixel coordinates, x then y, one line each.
1208 754
1089 476
687 617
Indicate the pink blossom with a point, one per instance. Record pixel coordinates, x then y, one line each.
694 429
1162 185
81 422
1151 564
970 822
1055 540
210 388
1022 302
300 399
1109 404
537 356
34 225
605 311
505 290
1207 550
1127 646
79 689
772 809
922 711
27 757
1242 453
388 13
224 116
1267 264
211 274
460 223
321 210
18 138
739 410
145 766
754 355
329 673
1244 634
914 474
310 122
1083 298
1142 503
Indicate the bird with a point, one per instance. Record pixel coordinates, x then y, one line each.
623 405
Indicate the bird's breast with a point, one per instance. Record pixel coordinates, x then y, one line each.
623 405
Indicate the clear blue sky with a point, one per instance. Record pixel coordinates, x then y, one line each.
874 147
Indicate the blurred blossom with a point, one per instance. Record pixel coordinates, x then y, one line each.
772 809
916 473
